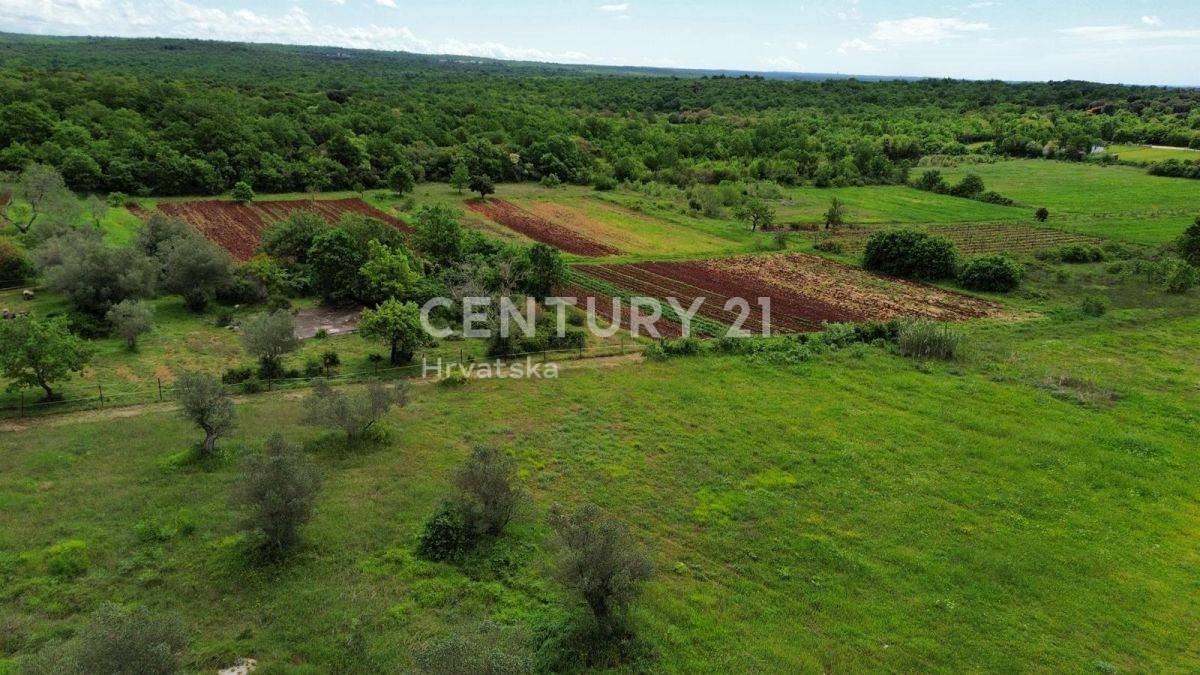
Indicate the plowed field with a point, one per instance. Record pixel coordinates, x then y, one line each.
238 228
540 229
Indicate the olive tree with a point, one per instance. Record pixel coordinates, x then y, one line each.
93 275
195 268
39 194
267 337
130 319
277 489
354 412
206 404
40 352
488 484
600 561
757 213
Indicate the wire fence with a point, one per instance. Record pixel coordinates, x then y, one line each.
115 395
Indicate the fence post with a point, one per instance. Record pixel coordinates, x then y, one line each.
160 390
460 356
21 409
101 388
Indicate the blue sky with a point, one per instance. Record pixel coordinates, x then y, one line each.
1106 40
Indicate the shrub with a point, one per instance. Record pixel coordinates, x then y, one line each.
1188 244
115 640
1042 214
15 266
829 246
354 413
664 349
925 339
448 534
1094 305
1175 275
487 483
600 561
996 273
551 181
910 253
1073 254
67 559
237 375
242 192
330 359
277 490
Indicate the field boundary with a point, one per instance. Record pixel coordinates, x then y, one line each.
109 396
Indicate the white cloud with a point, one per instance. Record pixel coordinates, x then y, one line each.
1127 33
801 45
1152 21
179 18
857 45
782 63
386 3
982 5
924 30
622 7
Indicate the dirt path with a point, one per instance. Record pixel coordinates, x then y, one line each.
104 414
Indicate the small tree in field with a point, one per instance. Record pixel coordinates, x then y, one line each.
483 185
756 213
1042 214
600 561
39 352
242 192
96 209
353 412
400 179
277 490
130 319
268 337
835 217
488 482
461 178
205 403
40 194
396 323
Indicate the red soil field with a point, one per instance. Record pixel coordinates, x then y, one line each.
238 228
604 306
539 229
806 291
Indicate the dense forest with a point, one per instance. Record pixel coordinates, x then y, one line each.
171 117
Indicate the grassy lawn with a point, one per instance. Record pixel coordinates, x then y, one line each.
856 512
1118 202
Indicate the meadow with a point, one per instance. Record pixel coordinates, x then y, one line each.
1116 202
1150 153
859 511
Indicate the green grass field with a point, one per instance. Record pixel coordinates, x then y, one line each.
1146 153
1118 202
891 204
856 512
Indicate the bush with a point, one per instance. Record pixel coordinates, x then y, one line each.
1094 305
664 349
995 273
1188 244
277 490
67 559
115 640
1075 254
925 339
448 534
237 375
1042 214
910 253
829 246
1174 275
355 412
551 181
15 266
488 485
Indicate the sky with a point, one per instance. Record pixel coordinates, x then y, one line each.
1127 41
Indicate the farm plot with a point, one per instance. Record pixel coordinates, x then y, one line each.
628 230
806 291
976 239
541 229
238 228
